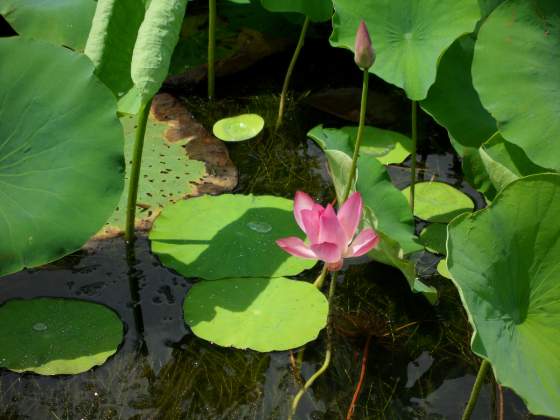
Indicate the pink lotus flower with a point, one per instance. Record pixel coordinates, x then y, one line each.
330 235
364 54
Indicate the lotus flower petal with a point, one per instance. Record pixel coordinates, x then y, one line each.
327 251
302 201
330 229
297 247
310 219
350 214
366 240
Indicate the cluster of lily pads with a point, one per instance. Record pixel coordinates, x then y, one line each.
80 155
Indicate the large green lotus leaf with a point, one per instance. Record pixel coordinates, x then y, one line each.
61 159
515 71
263 314
454 103
62 22
505 162
316 10
385 145
57 336
111 41
505 261
439 202
214 237
474 172
167 174
409 36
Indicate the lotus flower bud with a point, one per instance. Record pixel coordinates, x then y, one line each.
364 55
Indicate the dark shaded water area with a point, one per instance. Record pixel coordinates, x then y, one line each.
419 367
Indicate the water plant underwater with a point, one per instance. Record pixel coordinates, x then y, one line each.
503 259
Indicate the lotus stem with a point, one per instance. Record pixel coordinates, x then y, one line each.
211 47
363 106
476 389
352 407
414 117
318 283
299 45
135 171
328 353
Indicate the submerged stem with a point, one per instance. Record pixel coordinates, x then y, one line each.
290 71
476 389
363 106
328 353
135 170
211 47
414 117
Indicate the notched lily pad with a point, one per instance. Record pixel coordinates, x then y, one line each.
263 314
180 159
215 237
239 128
52 336
438 201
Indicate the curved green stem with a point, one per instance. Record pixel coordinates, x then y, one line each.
414 118
211 47
476 389
318 283
135 171
328 353
290 71
359 136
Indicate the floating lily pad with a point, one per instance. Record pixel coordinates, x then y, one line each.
57 336
167 174
433 237
515 71
239 128
439 202
442 269
61 22
262 314
215 237
385 145
408 36
505 261
61 158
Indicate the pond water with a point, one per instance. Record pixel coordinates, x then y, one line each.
419 367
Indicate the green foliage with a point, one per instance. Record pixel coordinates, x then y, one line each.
263 314
57 336
439 202
433 237
409 36
62 22
61 156
214 237
315 10
239 128
167 173
515 71
385 145
505 261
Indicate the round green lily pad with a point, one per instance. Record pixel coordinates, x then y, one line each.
57 336
505 261
238 128
433 237
263 314
229 235
438 201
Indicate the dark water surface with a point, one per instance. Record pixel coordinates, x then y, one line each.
420 365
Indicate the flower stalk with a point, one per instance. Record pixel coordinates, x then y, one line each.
482 371
414 130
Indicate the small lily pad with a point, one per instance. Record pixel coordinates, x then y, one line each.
385 145
433 237
439 202
215 237
57 336
442 269
263 314
239 128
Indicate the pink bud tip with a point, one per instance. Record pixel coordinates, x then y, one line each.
364 55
